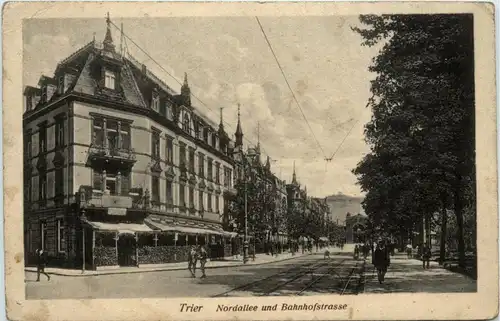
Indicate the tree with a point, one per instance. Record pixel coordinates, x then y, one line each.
422 130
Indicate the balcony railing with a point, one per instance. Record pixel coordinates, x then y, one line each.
99 199
122 154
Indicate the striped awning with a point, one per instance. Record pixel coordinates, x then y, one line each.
121 228
182 229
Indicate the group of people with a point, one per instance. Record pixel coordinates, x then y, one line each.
197 254
363 249
423 252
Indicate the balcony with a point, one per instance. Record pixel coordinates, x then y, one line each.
99 153
99 199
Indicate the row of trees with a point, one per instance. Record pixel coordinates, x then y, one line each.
421 135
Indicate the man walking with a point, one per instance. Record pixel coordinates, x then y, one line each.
192 258
409 249
40 264
203 260
381 260
426 256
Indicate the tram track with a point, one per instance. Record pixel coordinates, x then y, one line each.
294 271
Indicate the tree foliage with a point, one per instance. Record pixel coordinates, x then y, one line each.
421 133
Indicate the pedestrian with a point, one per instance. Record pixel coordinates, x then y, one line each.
192 258
426 256
408 250
40 264
203 260
356 251
381 260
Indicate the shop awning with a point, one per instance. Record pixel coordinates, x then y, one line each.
182 229
121 228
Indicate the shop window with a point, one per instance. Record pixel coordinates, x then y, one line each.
166 239
61 244
192 240
147 240
181 239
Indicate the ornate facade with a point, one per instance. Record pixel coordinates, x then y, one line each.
119 169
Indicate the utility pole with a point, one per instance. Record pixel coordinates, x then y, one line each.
245 235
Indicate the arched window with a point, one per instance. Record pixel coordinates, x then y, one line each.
186 125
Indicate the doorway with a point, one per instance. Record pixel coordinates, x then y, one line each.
126 250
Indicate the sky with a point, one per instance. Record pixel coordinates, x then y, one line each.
228 61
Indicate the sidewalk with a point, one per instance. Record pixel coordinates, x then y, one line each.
229 262
408 275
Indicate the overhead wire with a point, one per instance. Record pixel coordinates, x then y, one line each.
125 36
290 87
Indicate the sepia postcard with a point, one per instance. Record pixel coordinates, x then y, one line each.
250 161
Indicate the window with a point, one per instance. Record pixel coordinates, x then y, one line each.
155 189
191 160
27 145
170 150
182 156
216 203
60 235
209 202
42 187
97 181
109 79
186 124
227 177
112 134
60 85
29 189
125 183
111 186
201 164
29 103
182 196
43 98
59 132
205 135
168 109
155 145
59 181
42 139
170 197
125 136
196 129
214 141
217 172
156 102
191 197
43 234
98 132
200 200
210 175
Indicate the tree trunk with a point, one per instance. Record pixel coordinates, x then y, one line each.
460 228
444 219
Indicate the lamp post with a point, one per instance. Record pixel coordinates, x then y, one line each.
245 235
83 219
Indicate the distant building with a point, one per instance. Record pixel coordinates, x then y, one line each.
119 169
356 228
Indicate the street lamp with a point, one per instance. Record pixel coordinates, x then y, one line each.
83 219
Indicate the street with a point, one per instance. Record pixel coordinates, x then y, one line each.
299 276
307 275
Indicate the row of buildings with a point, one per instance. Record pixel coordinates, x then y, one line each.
121 170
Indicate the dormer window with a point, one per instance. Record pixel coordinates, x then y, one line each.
109 79
168 109
156 102
186 125
60 85
43 99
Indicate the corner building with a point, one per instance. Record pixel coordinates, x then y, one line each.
120 170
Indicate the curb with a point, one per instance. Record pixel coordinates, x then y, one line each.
168 269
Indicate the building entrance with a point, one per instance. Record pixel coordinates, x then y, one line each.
126 250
